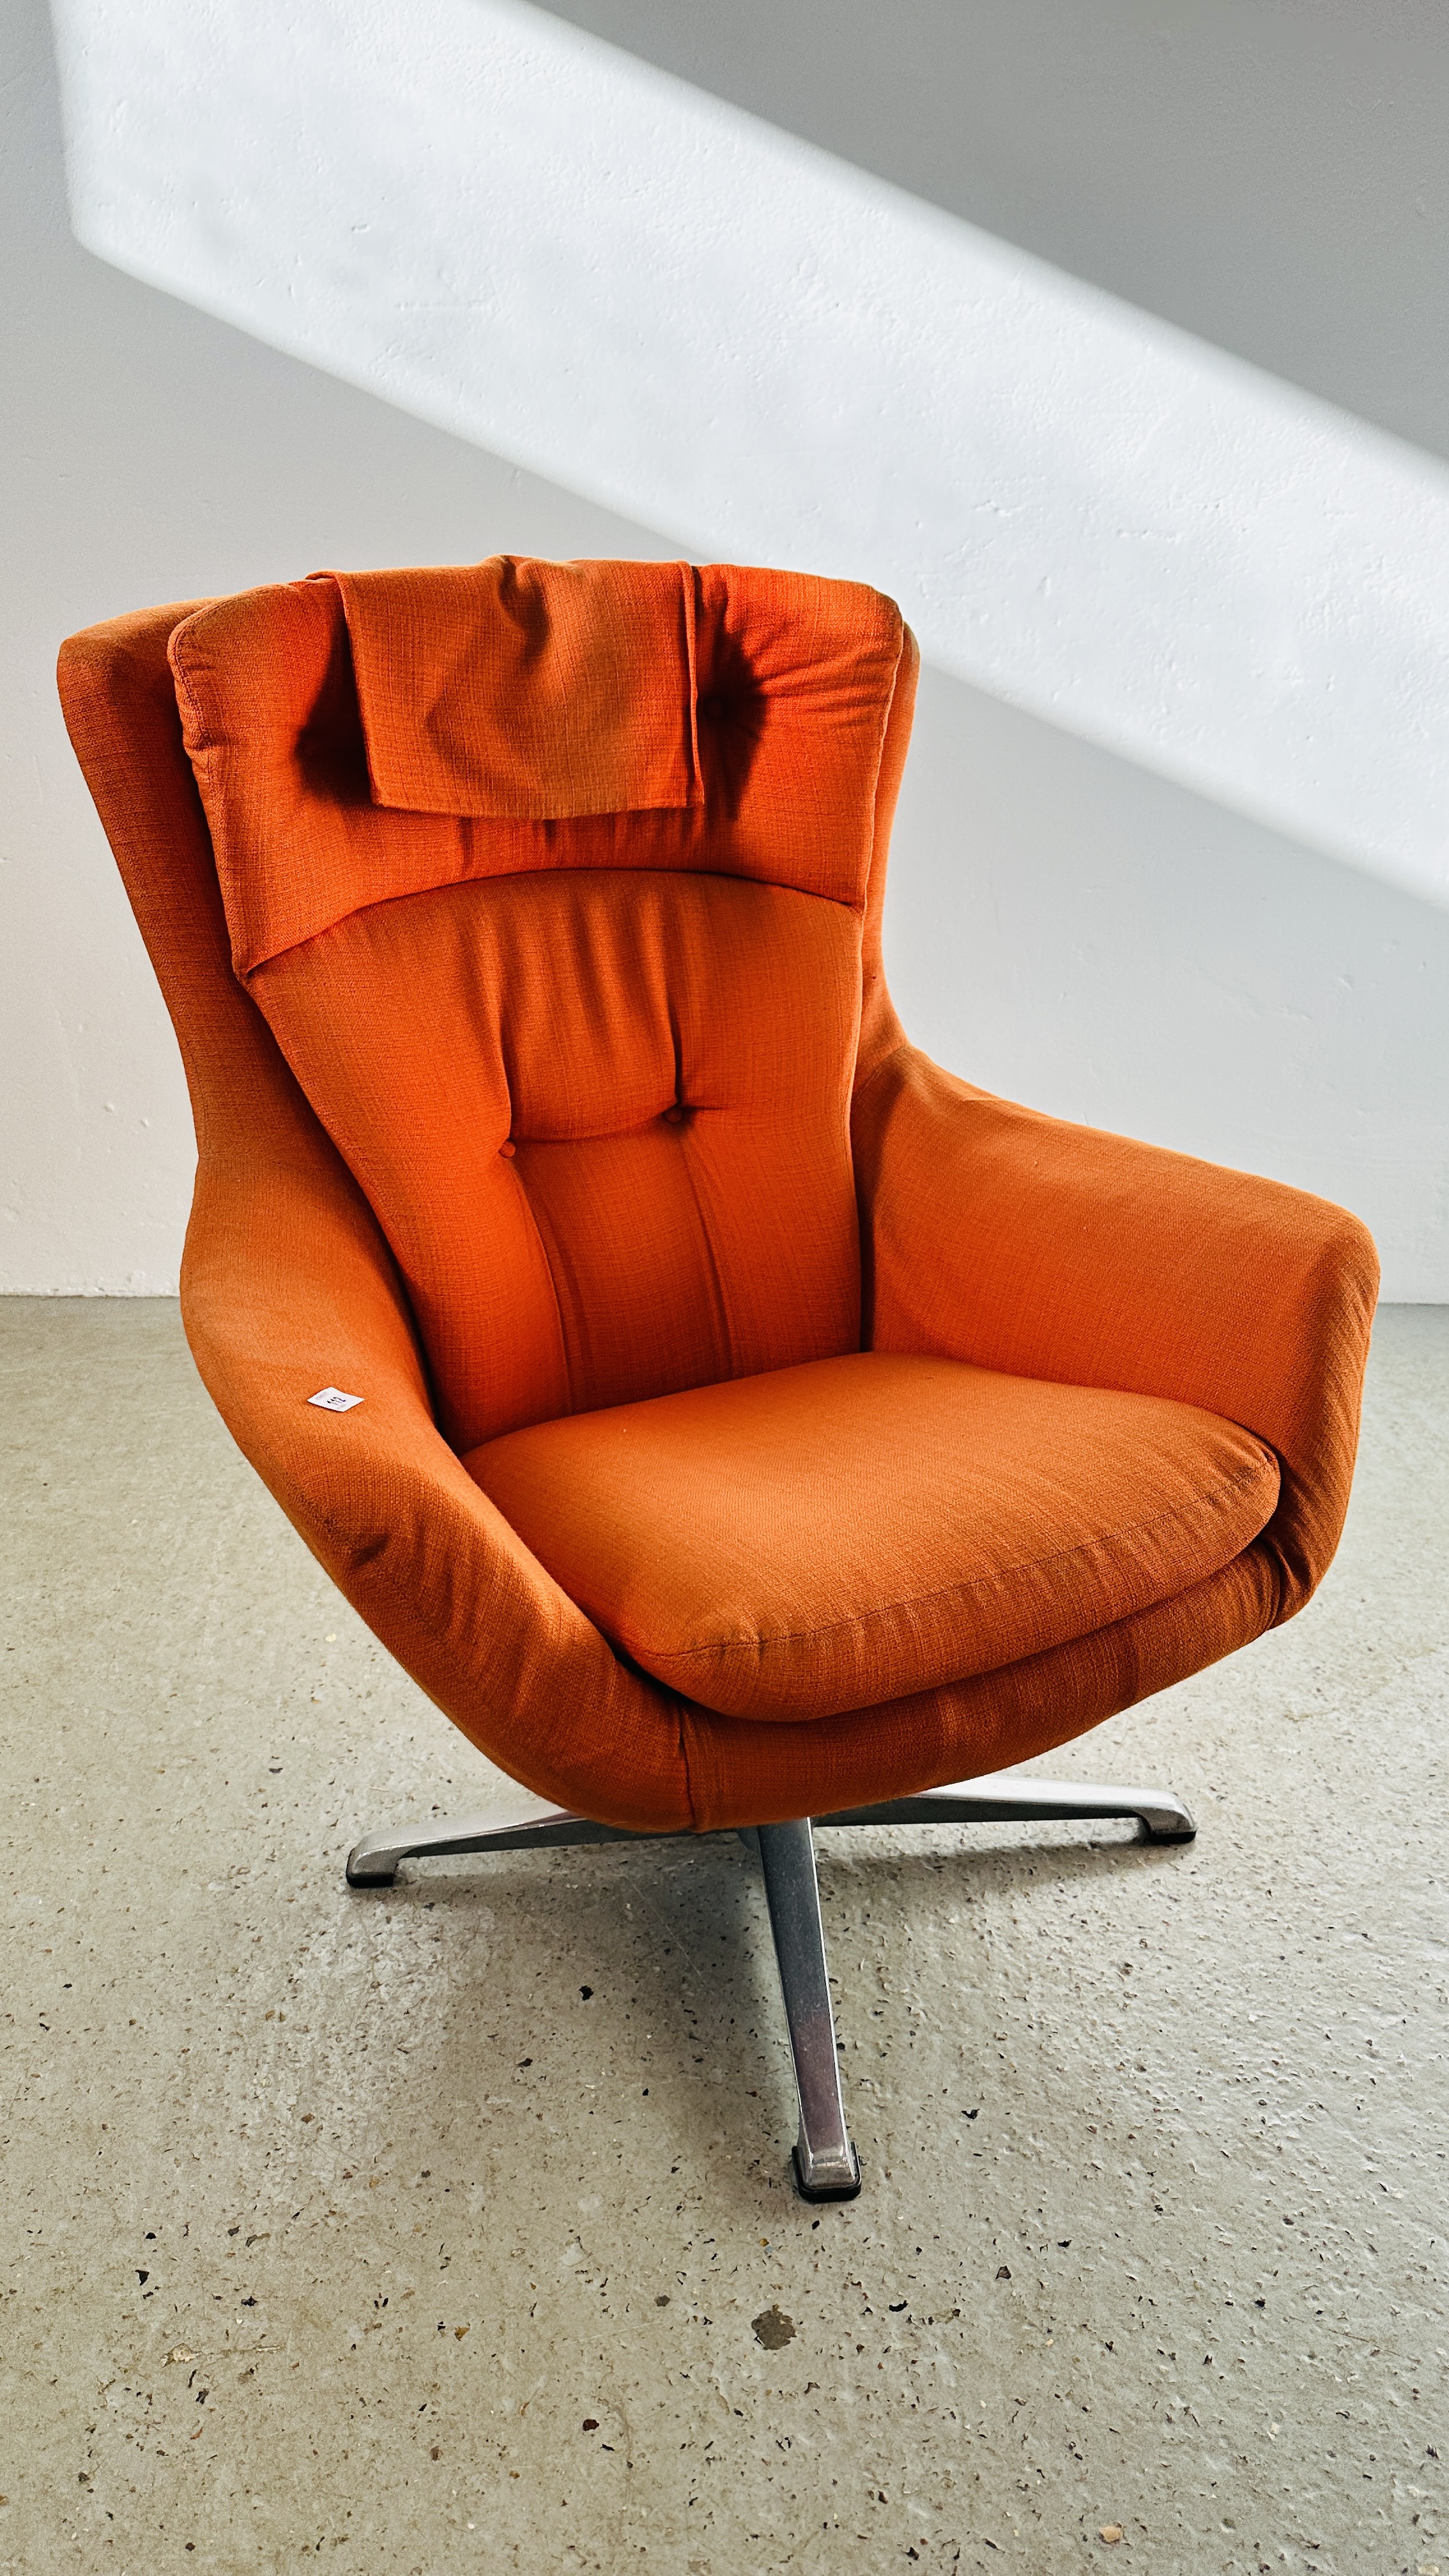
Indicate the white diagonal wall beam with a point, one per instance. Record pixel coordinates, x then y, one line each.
536 241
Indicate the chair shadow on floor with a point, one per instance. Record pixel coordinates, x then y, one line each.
658 2013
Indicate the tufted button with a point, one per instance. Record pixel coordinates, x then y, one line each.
508 1149
674 1117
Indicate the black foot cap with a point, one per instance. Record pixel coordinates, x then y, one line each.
829 2191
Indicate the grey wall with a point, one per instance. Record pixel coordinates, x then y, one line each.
1063 926
1270 174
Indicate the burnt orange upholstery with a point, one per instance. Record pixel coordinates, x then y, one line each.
515 1106
576 693
601 1110
826 1537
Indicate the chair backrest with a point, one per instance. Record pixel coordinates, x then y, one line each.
551 883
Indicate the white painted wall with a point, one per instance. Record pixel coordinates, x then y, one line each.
1064 925
1268 174
510 227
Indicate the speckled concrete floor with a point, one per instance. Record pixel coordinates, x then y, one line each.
449 2228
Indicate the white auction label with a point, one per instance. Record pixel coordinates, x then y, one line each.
332 1400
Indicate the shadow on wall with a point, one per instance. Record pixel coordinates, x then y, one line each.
1270 179
545 245
1062 926
1110 946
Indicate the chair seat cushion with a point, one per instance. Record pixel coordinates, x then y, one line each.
838 1534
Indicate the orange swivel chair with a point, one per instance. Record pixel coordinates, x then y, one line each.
726 1416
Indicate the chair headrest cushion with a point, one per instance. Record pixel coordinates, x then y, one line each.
341 730
527 691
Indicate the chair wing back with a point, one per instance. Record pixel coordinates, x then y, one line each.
551 882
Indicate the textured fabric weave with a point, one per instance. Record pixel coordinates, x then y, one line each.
601 1112
526 691
1000 1236
852 1531
604 1122
989 1234
795 687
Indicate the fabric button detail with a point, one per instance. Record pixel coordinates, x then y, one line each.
674 1117
508 1150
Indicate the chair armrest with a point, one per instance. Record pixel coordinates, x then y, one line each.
994 1234
288 1287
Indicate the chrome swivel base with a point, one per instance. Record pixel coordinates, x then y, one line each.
826 2164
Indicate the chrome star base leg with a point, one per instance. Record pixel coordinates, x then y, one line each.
826 2164
374 1862
1003 1797
1015 1797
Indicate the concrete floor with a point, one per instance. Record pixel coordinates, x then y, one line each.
449 2227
